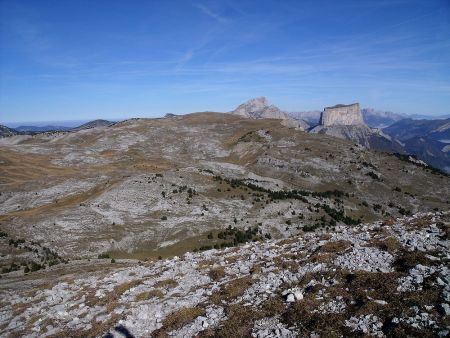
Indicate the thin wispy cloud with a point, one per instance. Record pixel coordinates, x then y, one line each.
185 58
207 11
203 52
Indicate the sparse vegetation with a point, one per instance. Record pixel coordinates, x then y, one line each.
216 273
166 283
231 290
144 296
181 317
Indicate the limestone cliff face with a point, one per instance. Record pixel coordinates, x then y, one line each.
346 122
342 115
259 108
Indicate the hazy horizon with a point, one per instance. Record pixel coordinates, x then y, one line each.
112 60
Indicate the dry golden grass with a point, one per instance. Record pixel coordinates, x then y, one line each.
407 260
231 290
33 319
166 283
98 328
148 295
328 252
122 288
256 269
217 273
239 322
17 168
111 299
178 319
325 237
19 308
323 257
287 241
273 306
419 223
155 294
336 246
284 262
389 244
62 204
445 228
358 290
389 222
233 259
206 263
303 316
250 136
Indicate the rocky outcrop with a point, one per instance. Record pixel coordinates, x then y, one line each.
373 118
429 140
342 115
259 108
379 279
40 129
346 122
5 131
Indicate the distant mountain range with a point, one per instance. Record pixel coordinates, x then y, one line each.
429 140
428 117
5 131
342 121
41 129
26 130
380 119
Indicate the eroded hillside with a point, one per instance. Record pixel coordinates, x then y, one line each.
145 188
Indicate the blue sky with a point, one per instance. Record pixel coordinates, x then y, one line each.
73 60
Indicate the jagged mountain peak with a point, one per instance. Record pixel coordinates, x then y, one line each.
259 108
256 108
259 101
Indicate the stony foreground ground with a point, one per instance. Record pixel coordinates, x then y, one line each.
387 278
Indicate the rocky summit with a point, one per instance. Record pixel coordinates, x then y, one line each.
342 115
346 122
259 108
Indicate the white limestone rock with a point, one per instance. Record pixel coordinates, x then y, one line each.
343 115
259 108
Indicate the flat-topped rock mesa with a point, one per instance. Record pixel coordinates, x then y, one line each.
259 108
342 115
346 122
